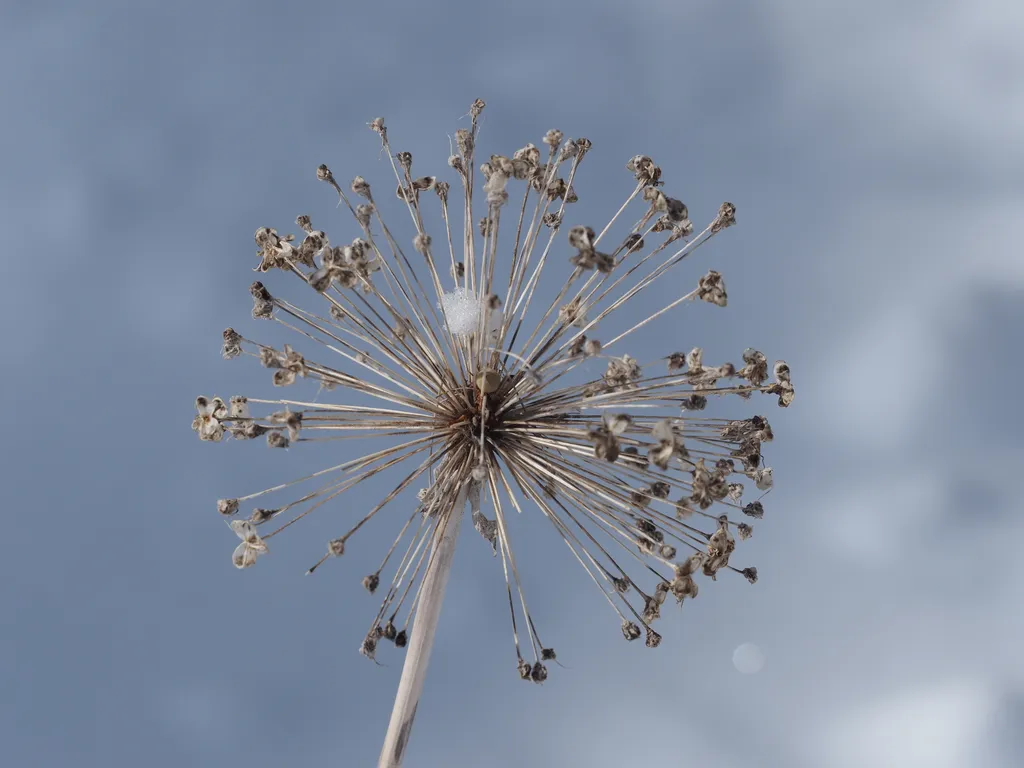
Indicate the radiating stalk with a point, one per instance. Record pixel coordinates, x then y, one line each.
414 672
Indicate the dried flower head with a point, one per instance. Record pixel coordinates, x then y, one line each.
479 354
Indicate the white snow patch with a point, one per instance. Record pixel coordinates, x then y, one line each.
462 309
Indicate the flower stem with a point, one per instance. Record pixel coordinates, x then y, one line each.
414 672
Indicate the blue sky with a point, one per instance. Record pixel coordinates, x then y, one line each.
875 152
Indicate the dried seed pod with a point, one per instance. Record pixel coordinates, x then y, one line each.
712 289
361 187
754 509
227 507
239 407
277 439
232 343
369 645
262 301
260 515
630 630
726 217
525 669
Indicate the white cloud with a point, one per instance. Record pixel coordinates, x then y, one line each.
942 725
870 387
902 73
656 730
897 289
876 522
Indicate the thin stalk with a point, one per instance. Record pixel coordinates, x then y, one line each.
414 672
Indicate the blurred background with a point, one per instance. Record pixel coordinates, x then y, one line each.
875 153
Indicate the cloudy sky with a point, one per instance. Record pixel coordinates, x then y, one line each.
875 152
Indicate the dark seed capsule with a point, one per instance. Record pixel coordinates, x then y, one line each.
525 670
371 582
630 630
754 509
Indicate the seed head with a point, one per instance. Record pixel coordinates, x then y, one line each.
471 372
